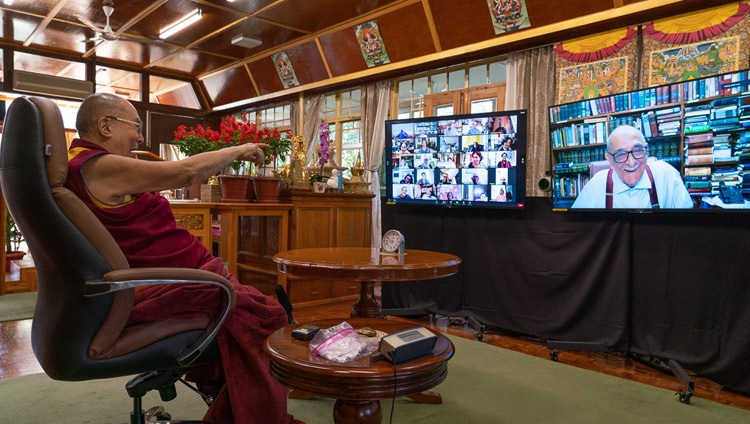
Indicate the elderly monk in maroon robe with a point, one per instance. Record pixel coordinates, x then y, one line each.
123 192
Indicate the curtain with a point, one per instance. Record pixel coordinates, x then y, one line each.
310 126
530 85
375 98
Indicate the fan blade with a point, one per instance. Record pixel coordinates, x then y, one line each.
140 39
88 23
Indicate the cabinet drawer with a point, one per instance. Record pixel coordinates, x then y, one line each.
344 288
308 290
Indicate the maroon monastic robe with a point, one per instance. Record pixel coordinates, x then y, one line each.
145 229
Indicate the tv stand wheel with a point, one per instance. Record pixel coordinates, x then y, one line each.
685 396
479 336
553 355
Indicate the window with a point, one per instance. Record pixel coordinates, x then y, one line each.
413 89
342 112
173 92
119 82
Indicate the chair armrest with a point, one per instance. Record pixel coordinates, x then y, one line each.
122 279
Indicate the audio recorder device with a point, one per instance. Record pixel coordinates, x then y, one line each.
407 344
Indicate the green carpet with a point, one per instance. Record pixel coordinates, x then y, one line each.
15 306
485 384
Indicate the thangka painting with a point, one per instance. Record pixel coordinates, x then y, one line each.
285 70
508 15
371 43
593 79
692 61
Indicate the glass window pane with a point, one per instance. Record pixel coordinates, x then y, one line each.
173 92
482 106
443 110
497 72
439 83
404 90
420 86
119 82
478 76
456 80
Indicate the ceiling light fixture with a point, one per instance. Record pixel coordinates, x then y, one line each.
181 24
246 42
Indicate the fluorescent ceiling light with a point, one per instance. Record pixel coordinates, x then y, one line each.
247 42
183 23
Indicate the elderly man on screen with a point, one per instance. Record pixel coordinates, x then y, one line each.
631 182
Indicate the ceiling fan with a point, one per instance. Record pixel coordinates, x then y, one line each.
106 33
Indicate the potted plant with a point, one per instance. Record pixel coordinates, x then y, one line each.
268 188
237 186
13 240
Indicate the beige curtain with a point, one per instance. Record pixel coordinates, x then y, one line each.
310 125
375 98
531 86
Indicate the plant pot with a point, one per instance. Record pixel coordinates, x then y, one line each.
319 186
236 188
12 256
267 189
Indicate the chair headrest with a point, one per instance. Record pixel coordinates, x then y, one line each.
54 140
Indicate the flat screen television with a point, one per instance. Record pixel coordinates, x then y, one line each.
698 145
472 160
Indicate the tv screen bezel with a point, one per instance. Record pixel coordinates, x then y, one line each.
518 186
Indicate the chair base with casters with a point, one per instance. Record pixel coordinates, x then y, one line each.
164 382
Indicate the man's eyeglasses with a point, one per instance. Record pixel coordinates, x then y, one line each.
638 153
138 124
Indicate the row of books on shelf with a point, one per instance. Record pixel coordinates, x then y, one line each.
569 186
730 84
583 134
641 99
581 155
721 85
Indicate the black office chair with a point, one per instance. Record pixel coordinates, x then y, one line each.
86 288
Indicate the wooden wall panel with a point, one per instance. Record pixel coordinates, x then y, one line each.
343 53
549 12
406 35
410 40
308 63
461 22
229 86
265 75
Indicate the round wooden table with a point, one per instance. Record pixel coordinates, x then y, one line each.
366 266
357 385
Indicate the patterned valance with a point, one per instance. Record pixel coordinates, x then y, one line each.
596 47
698 26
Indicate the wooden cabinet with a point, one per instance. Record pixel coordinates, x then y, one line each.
194 217
327 220
252 233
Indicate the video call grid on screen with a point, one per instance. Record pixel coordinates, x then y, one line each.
469 160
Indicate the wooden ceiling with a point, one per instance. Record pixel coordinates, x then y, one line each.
317 35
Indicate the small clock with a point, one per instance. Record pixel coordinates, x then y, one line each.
392 243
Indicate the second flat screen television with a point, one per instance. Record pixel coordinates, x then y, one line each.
476 160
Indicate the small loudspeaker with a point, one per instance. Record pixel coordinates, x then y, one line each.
543 184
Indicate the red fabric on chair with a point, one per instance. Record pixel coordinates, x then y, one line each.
243 362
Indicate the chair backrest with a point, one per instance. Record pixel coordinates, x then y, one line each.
68 244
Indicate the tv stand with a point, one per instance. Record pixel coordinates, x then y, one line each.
687 385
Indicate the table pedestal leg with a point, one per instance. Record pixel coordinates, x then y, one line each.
367 306
357 412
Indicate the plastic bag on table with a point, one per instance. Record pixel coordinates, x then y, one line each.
342 343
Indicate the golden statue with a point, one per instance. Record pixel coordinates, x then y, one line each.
297 176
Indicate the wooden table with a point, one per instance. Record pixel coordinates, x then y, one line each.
357 385
366 266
